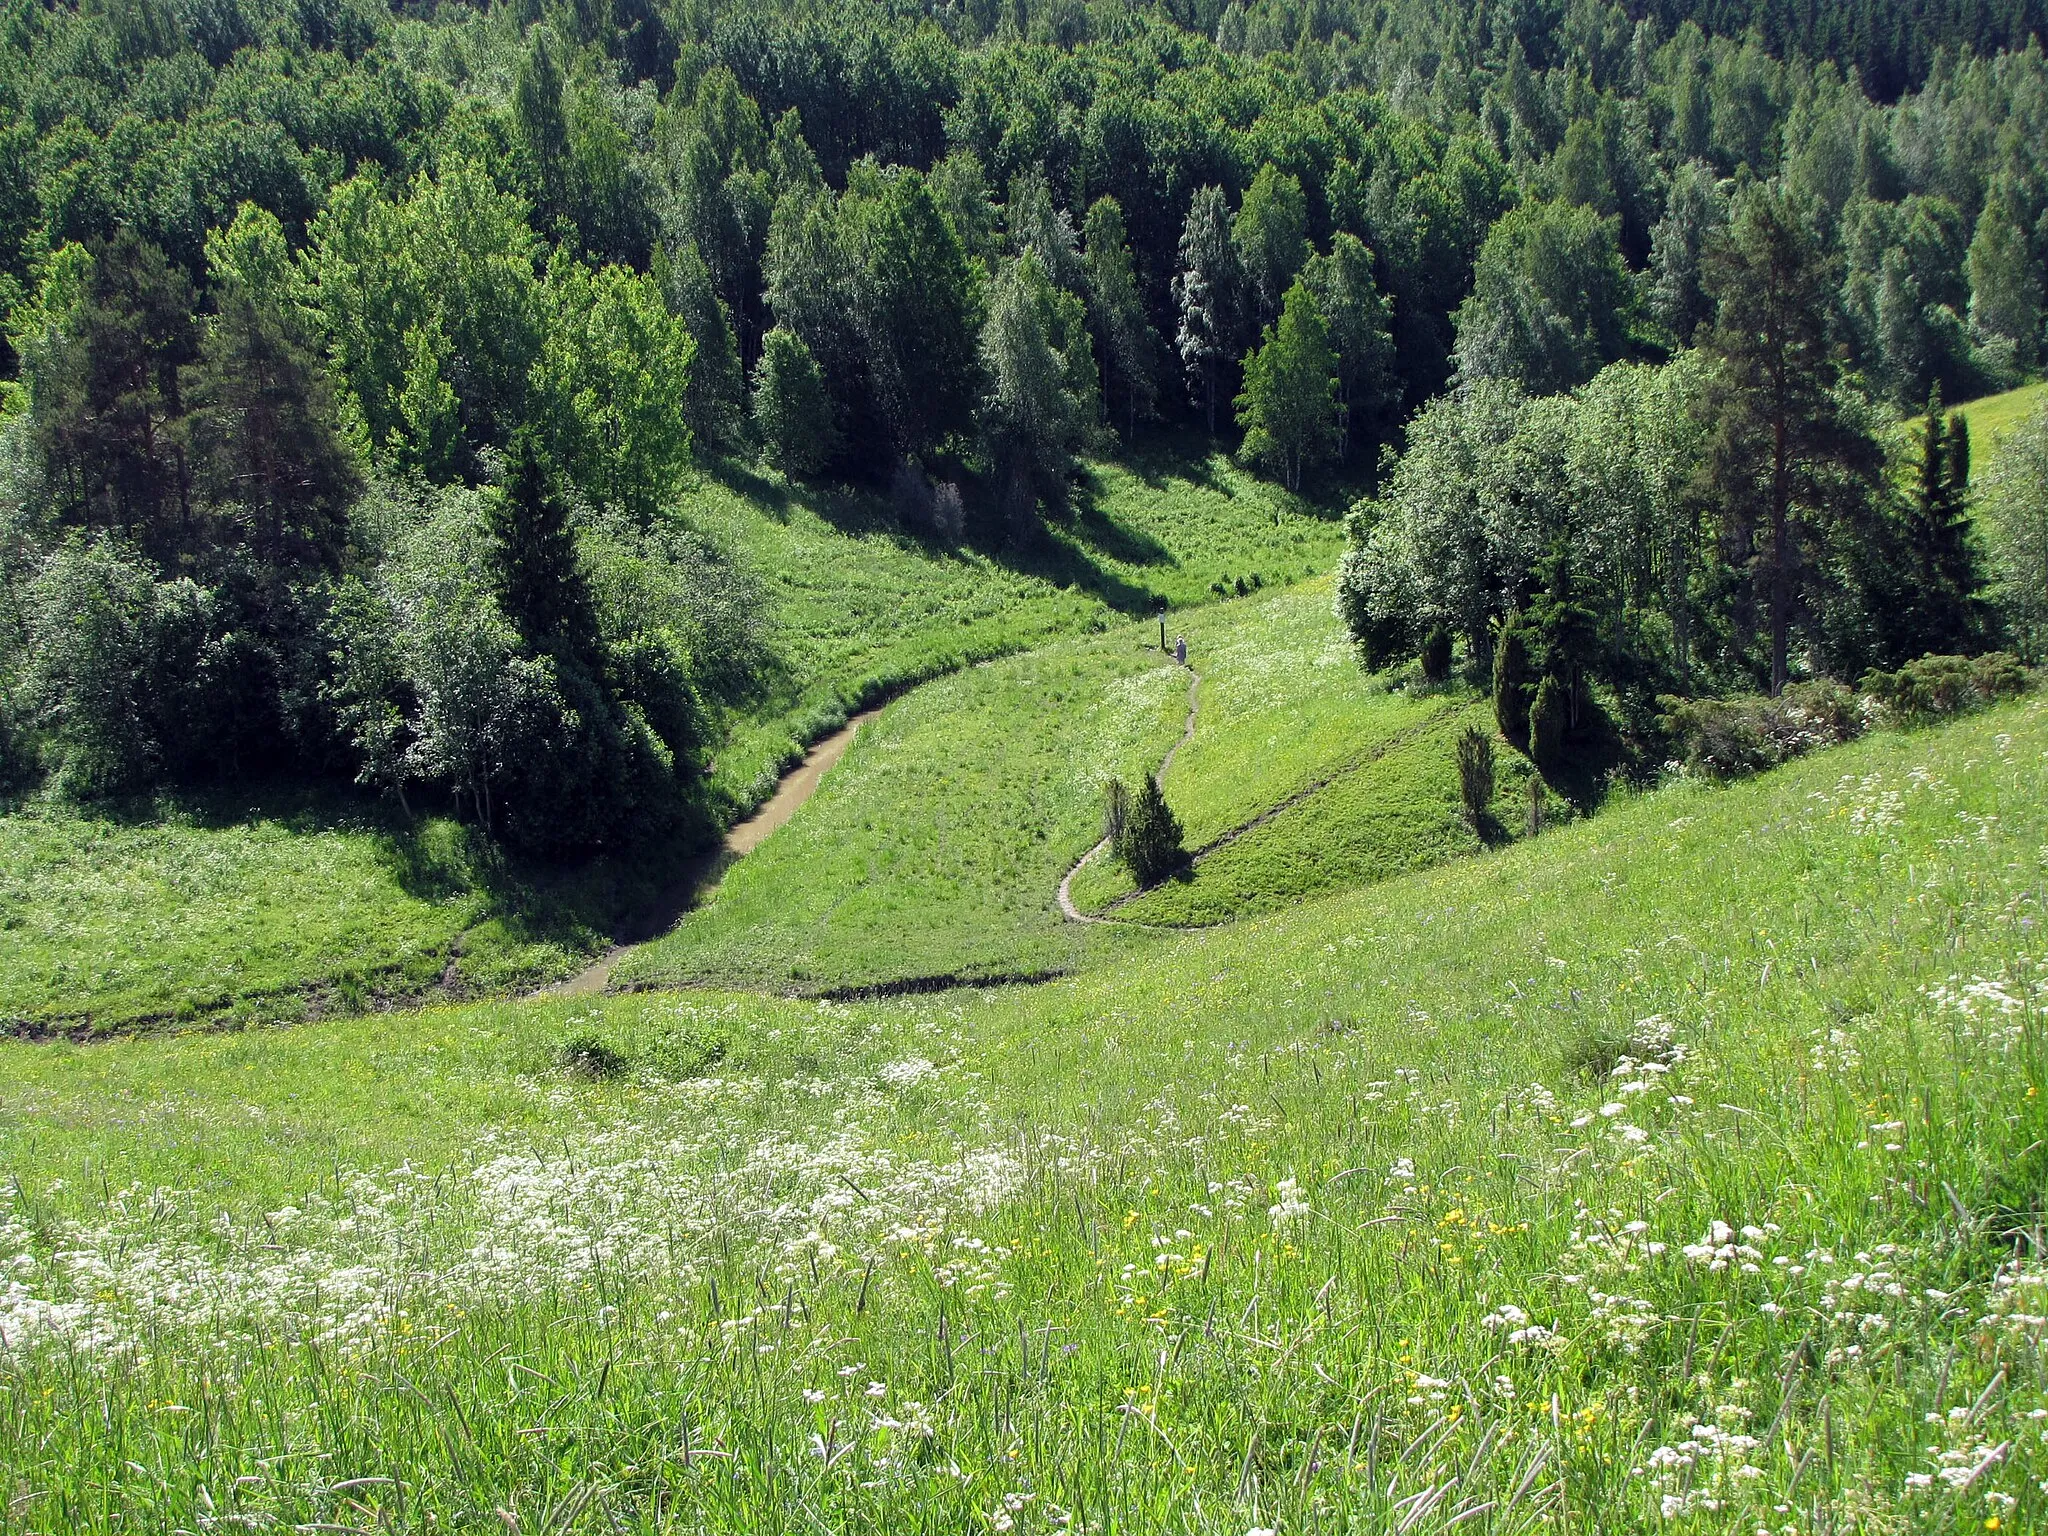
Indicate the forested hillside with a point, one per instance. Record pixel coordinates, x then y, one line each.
361 360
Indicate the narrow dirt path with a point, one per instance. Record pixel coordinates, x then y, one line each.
700 876
1074 914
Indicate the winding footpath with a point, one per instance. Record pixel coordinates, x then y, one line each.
700 876
1074 914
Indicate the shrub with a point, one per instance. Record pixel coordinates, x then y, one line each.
1150 846
1729 738
588 1056
1937 686
1548 717
1513 681
1436 656
1475 774
1535 804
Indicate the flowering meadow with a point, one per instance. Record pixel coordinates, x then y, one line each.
1678 1170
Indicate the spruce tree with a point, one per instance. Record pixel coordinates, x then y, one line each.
540 584
1150 846
1937 605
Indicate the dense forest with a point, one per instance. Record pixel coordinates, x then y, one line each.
355 356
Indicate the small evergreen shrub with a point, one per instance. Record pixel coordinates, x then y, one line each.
1536 804
1150 845
1475 774
1436 656
1938 686
1116 811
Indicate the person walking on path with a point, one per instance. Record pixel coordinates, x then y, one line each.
1180 649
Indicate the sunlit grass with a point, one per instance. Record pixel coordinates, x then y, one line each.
936 845
862 606
1660 1170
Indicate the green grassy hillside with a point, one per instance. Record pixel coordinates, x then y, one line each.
1662 1171
1994 415
936 846
862 606
1308 772
270 906
248 905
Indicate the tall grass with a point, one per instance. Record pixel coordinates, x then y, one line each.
1678 1169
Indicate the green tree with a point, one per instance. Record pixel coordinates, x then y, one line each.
613 372
713 405
1695 211
1549 299
791 409
1151 843
1359 321
1129 347
1271 236
262 434
1289 404
538 580
1037 227
2005 280
1514 680
1040 368
916 307
1783 461
106 399
1936 607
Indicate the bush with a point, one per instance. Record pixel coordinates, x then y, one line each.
1436 656
1730 738
588 1056
1513 680
1150 846
1475 774
1937 686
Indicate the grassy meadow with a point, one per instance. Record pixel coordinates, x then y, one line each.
936 846
1316 774
1678 1169
1994 415
258 906
863 606
272 906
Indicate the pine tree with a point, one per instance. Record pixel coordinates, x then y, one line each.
1781 454
1567 634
